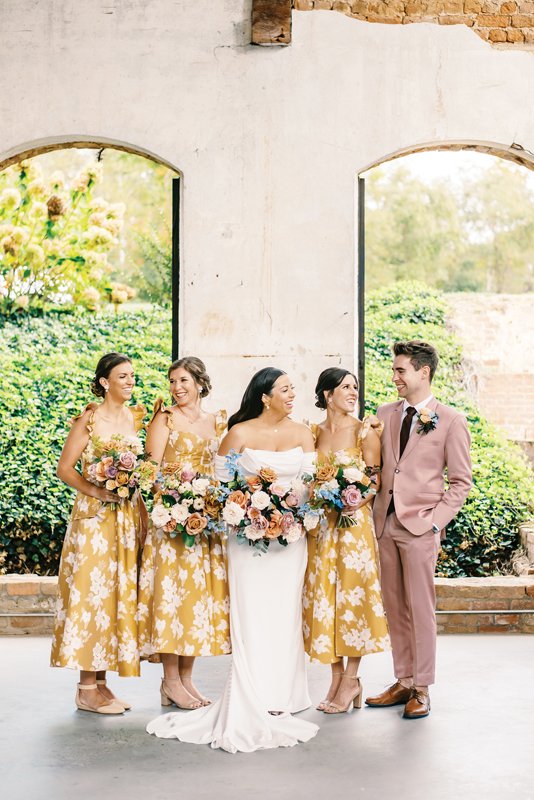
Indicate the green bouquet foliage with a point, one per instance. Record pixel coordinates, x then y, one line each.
482 538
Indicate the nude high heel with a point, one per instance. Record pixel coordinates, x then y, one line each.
108 708
167 700
354 702
123 703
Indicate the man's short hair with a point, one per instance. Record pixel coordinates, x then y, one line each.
421 354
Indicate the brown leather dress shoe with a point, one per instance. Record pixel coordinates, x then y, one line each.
396 695
417 706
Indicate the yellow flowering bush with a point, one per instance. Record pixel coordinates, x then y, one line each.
55 240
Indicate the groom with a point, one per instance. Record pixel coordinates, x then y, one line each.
421 439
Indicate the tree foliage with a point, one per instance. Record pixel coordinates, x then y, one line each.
472 234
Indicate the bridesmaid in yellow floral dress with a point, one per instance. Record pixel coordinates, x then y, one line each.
343 611
95 625
183 591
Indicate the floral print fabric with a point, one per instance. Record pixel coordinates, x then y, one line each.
342 602
183 591
95 624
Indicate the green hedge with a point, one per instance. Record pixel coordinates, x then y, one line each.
47 363
482 538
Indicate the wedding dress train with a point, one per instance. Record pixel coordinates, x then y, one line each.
268 671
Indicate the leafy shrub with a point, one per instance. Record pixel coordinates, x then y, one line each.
55 241
482 538
47 365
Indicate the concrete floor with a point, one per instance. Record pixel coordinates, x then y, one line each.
478 742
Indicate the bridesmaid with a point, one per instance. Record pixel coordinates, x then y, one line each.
343 611
183 591
95 624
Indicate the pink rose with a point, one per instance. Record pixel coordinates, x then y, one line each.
291 500
187 474
278 489
260 523
127 460
351 497
287 521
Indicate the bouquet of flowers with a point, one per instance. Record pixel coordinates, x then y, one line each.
121 465
188 503
262 509
341 484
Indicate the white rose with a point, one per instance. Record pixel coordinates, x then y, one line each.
186 486
294 533
310 520
198 504
342 458
331 486
260 500
200 486
233 514
179 512
253 533
160 515
352 475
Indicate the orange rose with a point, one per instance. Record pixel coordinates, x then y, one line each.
122 478
253 514
325 472
254 483
170 526
267 474
195 524
275 529
239 497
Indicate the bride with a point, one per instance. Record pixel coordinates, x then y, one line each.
267 679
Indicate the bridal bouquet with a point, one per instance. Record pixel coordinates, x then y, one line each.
188 503
260 508
340 484
120 465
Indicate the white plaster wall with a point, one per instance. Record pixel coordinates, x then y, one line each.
269 142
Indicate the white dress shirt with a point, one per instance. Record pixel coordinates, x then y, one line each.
418 408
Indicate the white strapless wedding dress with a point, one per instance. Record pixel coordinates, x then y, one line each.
268 670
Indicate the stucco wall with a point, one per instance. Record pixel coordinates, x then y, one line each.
269 142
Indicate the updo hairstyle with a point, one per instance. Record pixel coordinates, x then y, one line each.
103 370
328 380
251 405
197 370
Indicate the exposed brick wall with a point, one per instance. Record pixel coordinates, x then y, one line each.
465 605
502 23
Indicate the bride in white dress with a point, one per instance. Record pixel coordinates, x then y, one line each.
267 680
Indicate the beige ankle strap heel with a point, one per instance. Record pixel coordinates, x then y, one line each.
123 703
107 708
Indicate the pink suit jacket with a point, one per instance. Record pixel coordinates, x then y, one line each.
416 480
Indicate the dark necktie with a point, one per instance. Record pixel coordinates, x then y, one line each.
404 436
405 428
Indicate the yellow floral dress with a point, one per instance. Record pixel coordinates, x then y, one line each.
183 591
342 603
95 623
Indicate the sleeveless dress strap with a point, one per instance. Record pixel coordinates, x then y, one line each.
221 421
159 405
369 422
90 421
138 413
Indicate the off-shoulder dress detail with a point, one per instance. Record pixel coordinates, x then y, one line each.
342 602
268 671
183 591
95 624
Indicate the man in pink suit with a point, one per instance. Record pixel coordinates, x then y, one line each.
421 439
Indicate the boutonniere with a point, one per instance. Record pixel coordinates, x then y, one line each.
427 421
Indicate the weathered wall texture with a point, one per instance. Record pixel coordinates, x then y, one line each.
269 142
508 24
497 332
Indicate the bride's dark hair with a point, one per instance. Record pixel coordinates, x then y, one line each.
251 404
